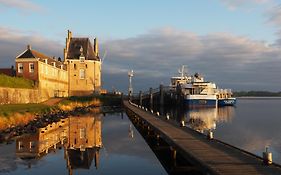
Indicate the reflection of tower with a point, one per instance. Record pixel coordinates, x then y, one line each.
84 142
130 90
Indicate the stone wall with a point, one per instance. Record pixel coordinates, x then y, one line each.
17 96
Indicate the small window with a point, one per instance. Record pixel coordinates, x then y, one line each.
20 67
74 66
82 133
82 59
82 74
20 144
31 67
32 145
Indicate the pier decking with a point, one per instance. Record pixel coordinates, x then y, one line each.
212 156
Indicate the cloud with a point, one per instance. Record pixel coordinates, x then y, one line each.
25 5
274 15
231 61
235 4
13 42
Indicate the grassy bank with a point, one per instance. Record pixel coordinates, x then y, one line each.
9 109
21 114
15 82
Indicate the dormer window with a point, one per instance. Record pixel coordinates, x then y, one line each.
61 66
82 59
46 61
54 64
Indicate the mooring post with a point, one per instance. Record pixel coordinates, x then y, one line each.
161 95
267 156
140 98
174 155
151 98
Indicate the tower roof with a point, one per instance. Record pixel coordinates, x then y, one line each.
74 49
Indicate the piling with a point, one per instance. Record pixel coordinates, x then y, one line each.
140 98
161 95
150 98
267 156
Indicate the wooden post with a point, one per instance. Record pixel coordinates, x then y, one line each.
150 98
140 98
161 94
174 156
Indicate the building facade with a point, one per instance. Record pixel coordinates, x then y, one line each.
49 74
77 75
83 65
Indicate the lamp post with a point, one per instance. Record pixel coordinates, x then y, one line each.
130 89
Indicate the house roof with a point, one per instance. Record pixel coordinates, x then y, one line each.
79 46
30 53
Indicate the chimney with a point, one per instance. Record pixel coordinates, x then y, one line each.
69 34
29 47
96 47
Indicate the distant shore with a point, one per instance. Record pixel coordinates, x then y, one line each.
257 97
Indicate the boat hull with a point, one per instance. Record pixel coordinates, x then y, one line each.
227 102
200 101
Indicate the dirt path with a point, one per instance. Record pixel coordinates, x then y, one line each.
52 101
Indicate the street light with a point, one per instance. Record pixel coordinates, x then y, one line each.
130 89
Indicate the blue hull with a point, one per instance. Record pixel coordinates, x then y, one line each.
200 103
227 102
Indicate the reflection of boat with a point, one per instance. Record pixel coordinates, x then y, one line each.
200 93
207 118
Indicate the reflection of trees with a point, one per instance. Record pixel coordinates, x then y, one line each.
207 118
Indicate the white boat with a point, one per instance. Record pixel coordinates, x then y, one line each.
200 93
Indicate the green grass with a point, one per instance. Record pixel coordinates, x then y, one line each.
7 110
15 82
105 99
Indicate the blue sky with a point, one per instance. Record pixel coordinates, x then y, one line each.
127 18
154 37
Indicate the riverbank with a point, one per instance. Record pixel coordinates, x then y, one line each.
16 120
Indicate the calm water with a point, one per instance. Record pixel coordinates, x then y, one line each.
90 144
251 125
110 144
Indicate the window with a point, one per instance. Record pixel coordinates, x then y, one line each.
82 59
74 66
82 133
20 144
31 144
20 67
82 74
31 67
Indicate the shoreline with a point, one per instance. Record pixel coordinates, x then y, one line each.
256 97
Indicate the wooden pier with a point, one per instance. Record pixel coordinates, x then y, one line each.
212 156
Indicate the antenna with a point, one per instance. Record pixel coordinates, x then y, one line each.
182 72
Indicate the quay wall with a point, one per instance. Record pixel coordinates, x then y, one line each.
20 96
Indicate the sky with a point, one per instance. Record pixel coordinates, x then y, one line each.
234 43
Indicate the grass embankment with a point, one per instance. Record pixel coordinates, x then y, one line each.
21 114
15 82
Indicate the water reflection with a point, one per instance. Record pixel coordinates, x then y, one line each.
207 119
79 136
202 119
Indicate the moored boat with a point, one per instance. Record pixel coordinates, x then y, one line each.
199 93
